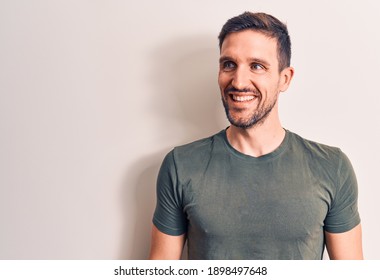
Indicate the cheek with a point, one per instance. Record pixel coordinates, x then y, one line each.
222 81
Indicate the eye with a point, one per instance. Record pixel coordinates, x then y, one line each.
257 66
228 65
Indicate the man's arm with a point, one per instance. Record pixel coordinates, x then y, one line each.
166 247
346 245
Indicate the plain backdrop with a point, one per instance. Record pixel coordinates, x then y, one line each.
93 94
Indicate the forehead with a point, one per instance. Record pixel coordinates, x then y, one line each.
249 43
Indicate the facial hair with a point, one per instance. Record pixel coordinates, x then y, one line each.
256 117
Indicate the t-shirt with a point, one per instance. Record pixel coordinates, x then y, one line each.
276 206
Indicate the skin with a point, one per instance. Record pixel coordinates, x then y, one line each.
345 246
248 61
250 82
166 247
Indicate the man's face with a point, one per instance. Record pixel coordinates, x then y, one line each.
249 77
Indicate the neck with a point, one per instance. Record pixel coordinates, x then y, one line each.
258 140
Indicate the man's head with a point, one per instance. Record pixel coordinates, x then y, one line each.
266 24
254 67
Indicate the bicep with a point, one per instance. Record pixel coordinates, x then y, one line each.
166 247
346 245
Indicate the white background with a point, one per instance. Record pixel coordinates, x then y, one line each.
93 94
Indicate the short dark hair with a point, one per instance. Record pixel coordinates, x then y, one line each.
268 25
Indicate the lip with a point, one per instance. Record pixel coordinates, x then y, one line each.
242 98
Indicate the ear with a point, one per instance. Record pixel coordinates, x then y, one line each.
286 76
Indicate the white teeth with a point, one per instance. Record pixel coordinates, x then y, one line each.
242 98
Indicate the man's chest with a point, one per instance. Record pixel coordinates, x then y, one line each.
256 203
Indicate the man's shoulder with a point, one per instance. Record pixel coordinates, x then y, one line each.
199 146
316 150
197 152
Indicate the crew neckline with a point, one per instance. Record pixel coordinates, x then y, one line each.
281 148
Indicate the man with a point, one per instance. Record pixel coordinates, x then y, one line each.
256 190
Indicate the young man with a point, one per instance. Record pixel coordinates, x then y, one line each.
256 190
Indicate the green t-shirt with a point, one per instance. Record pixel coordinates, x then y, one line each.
277 206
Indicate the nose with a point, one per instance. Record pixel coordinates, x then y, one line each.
241 78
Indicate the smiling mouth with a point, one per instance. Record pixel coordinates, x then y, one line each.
242 98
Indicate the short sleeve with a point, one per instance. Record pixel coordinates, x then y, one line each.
169 217
343 214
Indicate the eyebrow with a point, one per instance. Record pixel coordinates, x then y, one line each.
252 59
225 58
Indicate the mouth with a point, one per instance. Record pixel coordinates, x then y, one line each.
242 98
